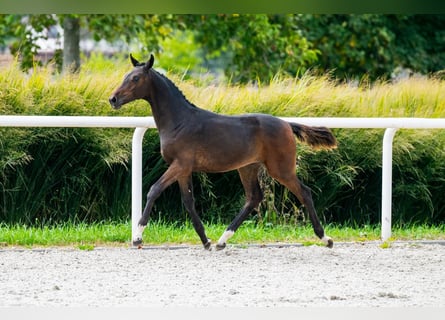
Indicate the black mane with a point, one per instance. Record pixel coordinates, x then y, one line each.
174 86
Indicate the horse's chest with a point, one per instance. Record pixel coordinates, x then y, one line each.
172 149
167 154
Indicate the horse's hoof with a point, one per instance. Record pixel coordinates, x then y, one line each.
328 241
330 244
220 246
208 245
137 243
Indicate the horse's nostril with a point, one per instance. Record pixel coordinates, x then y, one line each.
113 100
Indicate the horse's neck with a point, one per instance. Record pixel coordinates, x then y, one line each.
168 104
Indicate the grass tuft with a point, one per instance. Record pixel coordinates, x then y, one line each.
386 245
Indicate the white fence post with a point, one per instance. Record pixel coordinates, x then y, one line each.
136 179
387 183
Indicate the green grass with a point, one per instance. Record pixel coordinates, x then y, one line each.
87 237
51 175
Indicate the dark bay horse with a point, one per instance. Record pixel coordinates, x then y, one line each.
197 140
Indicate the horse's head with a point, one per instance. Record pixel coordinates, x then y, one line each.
132 88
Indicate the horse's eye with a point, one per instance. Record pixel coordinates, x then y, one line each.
135 79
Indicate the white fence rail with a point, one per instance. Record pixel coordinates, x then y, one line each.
141 124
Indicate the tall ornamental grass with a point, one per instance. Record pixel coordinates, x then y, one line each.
49 175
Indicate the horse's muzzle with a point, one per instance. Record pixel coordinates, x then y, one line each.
114 102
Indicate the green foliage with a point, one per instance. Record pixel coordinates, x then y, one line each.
254 47
63 174
180 53
374 44
144 31
18 29
85 247
386 245
46 174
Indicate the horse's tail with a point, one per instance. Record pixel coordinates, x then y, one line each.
316 137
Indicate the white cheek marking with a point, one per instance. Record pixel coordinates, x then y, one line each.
226 236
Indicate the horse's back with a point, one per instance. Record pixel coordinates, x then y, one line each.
217 143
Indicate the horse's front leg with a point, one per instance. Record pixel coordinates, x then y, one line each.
186 186
155 191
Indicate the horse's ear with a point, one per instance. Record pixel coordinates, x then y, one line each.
150 62
134 61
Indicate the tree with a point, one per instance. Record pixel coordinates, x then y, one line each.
71 40
257 47
23 32
354 45
253 47
420 42
26 29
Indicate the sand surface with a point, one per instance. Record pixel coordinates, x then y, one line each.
350 274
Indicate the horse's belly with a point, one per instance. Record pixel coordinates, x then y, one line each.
222 161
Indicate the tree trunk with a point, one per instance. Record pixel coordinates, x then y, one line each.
71 39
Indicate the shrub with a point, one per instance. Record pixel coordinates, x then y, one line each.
51 175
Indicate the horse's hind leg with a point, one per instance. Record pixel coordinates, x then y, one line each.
186 187
254 195
303 193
